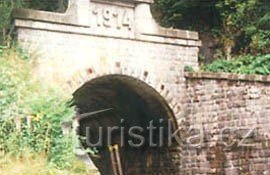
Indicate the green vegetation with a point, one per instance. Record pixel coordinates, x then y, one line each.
30 119
236 27
237 30
247 64
188 69
7 6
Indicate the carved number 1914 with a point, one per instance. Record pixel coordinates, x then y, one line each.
109 18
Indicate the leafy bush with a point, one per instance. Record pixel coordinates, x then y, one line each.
31 114
237 26
247 64
7 6
188 69
260 41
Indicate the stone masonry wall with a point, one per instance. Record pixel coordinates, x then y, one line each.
225 124
100 36
223 118
104 37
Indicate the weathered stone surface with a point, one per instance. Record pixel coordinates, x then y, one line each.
106 37
102 37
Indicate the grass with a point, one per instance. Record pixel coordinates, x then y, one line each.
37 147
34 164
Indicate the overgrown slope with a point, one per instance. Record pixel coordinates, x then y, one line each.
30 121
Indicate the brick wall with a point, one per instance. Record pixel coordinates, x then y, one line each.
232 113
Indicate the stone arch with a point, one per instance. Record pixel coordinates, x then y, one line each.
135 102
80 45
115 67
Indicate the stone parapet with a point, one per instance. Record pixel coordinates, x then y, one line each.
227 76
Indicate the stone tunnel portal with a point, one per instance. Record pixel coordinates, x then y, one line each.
132 104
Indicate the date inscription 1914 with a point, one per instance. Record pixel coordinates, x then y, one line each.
112 18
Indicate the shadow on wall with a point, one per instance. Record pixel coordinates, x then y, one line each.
53 5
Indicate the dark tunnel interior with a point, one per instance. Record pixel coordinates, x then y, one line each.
127 102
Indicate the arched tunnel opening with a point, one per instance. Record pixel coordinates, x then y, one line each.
124 111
